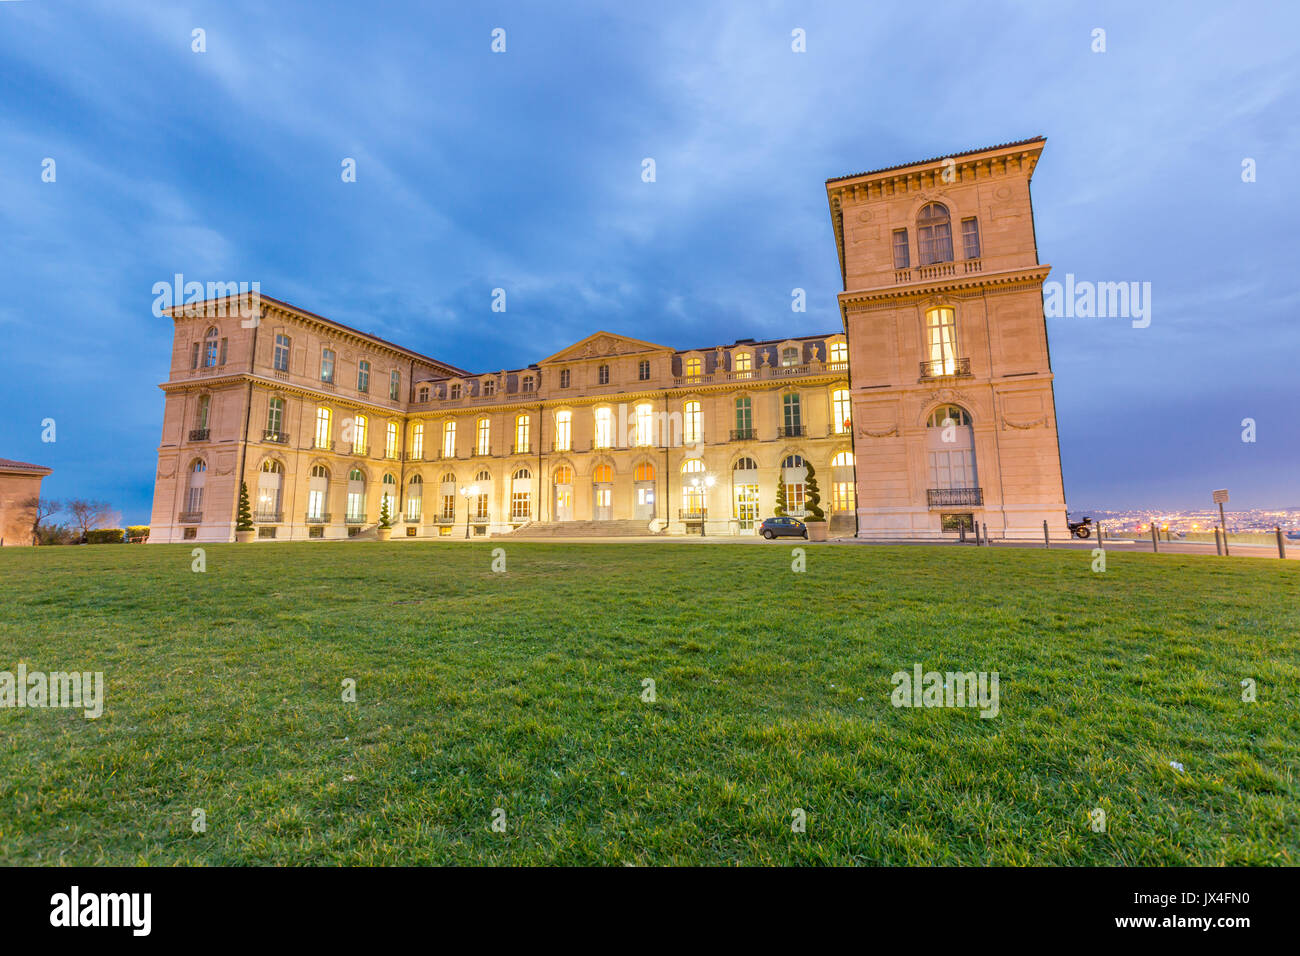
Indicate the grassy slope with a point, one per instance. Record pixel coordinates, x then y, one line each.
522 690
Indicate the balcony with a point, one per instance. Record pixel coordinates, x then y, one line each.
791 431
316 519
323 445
522 450
945 368
199 434
692 514
354 519
762 372
190 517
361 451
280 438
952 497
443 519
269 517
742 434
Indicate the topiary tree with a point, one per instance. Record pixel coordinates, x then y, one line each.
779 510
812 496
385 519
244 522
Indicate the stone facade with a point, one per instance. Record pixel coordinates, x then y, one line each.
20 482
943 308
324 422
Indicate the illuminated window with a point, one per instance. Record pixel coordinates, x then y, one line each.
359 425
484 437
742 365
839 352
563 431
322 427
417 441
484 481
390 440
744 481
644 472
644 425
603 475
603 427
934 234
841 411
564 475
691 422
414 494
389 495
317 492
520 495
447 485
270 483
692 369
794 474
356 511
789 357
941 339
522 440
449 439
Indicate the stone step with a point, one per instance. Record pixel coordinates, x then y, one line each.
585 529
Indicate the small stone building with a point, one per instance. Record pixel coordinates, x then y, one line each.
20 482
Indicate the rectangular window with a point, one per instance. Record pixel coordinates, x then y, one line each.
449 440
744 418
484 437
455 392
564 378
603 375
603 427
194 356
841 414
902 255
363 376
952 469
563 431
225 343
941 335
395 385
644 425
275 415
413 505
692 369
742 365
327 365
691 422
359 436
521 434
490 387
390 440
481 506
519 505
322 428
417 442
839 352
281 358
970 237
448 512
791 412
643 370
843 498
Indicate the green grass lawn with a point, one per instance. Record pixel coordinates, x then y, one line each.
523 691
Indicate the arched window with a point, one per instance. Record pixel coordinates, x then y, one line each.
692 368
934 233
604 427
794 475
950 444
564 475
941 341
414 496
691 422
563 431
484 482
521 508
742 365
744 492
694 488
270 486
447 493
789 356
692 466
194 490
317 494
210 347
843 492
841 411
602 475
644 472
356 510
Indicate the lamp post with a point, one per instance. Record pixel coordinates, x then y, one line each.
702 484
470 493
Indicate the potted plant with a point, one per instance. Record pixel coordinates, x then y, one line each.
385 529
245 531
815 519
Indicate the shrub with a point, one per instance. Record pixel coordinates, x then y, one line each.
105 536
779 510
137 531
813 497
385 520
244 522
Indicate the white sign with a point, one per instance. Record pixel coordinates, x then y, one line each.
1221 496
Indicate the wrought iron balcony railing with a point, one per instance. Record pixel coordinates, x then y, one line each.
742 434
280 438
692 514
791 431
354 519
945 368
199 434
317 519
269 517
949 497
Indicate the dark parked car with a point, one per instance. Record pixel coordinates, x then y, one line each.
782 527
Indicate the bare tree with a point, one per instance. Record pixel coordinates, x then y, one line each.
43 508
87 515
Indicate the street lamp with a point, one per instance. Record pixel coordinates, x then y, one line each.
470 494
702 484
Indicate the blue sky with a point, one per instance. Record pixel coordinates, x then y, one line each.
522 170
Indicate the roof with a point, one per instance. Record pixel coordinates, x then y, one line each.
8 464
939 159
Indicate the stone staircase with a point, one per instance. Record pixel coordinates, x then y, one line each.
584 529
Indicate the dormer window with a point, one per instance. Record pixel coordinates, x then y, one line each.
692 368
489 386
742 363
422 393
789 356
839 352
528 383
934 234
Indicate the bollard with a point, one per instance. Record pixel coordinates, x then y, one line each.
961 529
1099 544
986 533
978 540
1155 538
1281 545
1047 541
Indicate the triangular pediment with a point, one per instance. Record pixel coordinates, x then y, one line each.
601 345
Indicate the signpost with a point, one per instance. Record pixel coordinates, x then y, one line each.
1221 496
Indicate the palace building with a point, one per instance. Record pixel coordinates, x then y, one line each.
930 409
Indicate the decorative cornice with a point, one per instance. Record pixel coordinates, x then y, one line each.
974 282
